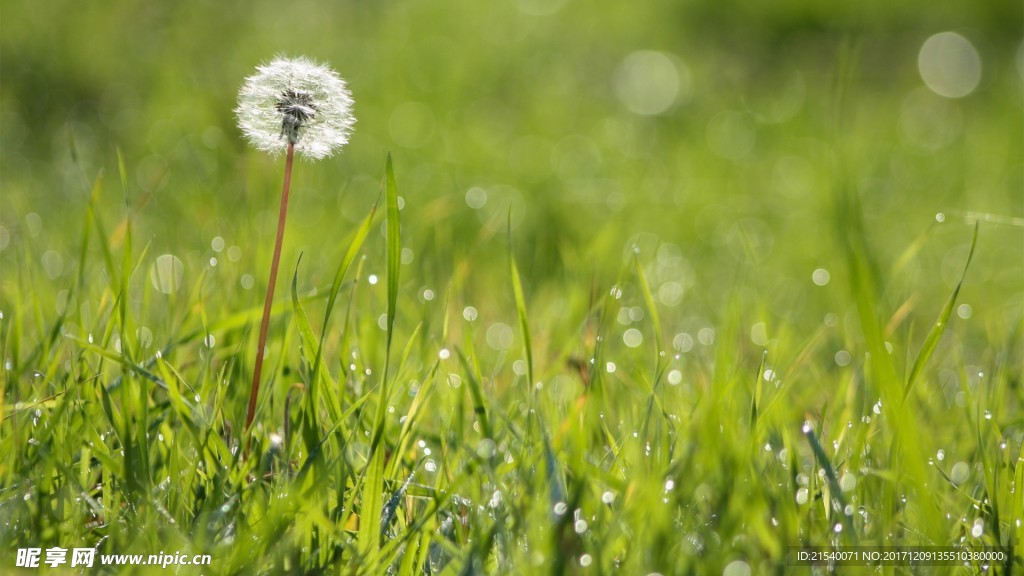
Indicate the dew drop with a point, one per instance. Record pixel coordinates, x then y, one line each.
802 495
978 528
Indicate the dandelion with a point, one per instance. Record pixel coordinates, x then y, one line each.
295 102
291 105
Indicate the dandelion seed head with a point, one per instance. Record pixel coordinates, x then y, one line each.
297 101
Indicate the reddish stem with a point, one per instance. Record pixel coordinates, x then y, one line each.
254 392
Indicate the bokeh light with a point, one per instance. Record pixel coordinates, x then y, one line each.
949 65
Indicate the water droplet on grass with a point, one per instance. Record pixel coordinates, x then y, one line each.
802 495
737 568
607 497
960 473
454 380
978 528
444 354
145 336
469 313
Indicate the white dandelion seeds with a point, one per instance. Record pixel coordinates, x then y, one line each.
295 101
290 105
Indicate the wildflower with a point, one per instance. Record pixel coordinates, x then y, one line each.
295 102
290 105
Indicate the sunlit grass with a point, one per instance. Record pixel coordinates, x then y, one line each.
409 432
570 328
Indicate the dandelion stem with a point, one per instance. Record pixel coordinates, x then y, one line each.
254 392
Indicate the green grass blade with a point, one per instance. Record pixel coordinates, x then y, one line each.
652 309
940 323
371 510
394 253
476 391
339 275
833 481
301 320
517 290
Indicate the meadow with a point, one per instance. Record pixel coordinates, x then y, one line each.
596 288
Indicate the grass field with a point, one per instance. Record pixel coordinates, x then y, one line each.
676 286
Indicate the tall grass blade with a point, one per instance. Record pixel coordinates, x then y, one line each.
517 290
339 275
652 309
940 323
371 509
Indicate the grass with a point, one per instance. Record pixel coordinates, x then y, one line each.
633 355
450 460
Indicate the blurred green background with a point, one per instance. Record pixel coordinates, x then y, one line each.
703 132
